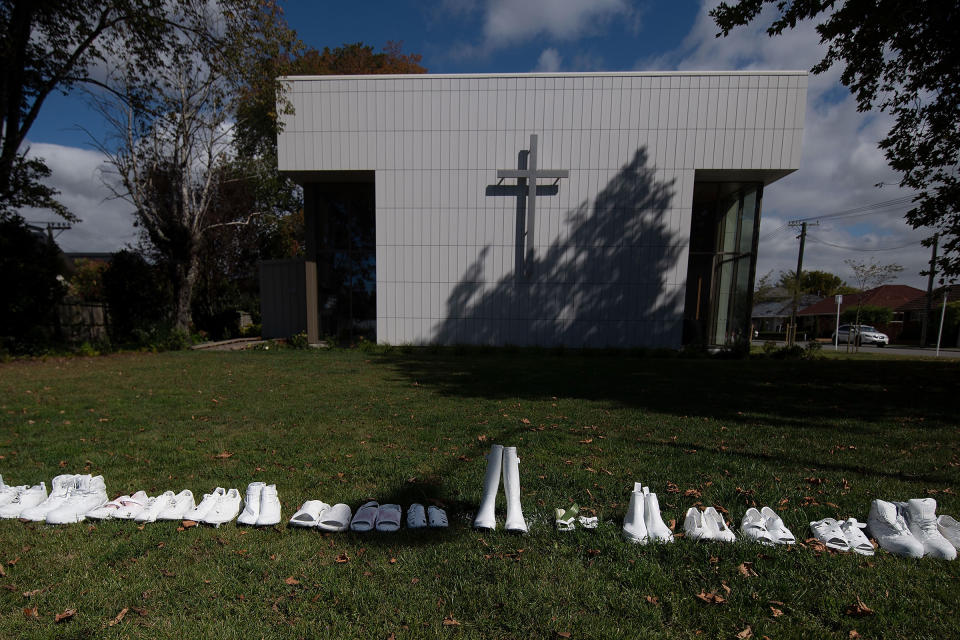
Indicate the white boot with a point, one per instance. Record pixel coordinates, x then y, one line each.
657 530
634 527
486 516
511 489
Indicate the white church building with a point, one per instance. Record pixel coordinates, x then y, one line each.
577 209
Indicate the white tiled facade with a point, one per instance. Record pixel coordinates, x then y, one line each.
609 251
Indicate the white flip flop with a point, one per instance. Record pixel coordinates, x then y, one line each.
365 519
416 517
335 519
309 514
828 532
856 540
388 518
437 518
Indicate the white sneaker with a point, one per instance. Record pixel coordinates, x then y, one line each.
8 493
657 530
225 509
90 493
60 486
251 504
922 521
269 507
207 503
179 506
154 507
26 499
947 525
890 529
634 524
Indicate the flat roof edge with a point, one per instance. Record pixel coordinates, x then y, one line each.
577 74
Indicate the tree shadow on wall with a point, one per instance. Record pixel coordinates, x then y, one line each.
603 283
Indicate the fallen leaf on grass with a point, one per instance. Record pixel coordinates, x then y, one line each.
166 573
746 633
776 612
292 581
726 587
711 598
223 455
525 421
119 617
853 634
692 493
31 612
66 615
746 570
859 609
343 558
393 561
186 524
450 622
586 441
672 488
654 600
563 634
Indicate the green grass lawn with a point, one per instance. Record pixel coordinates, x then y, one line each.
820 438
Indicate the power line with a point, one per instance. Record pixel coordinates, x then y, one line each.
838 246
867 209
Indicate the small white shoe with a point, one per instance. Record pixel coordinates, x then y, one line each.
634 525
828 532
90 493
754 527
776 527
856 540
251 504
437 518
416 516
889 528
207 503
60 487
269 507
225 510
8 493
107 511
947 525
922 521
718 525
309 514
25 499
131 507
657 530
154 507
695 526
179 506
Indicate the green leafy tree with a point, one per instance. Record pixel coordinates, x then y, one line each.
899 57
137 296
816 282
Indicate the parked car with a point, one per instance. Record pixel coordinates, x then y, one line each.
860 334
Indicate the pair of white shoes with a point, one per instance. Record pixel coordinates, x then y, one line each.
566 519
216 508
433 517
707 525
14 499
910 529
318 514
842 536
71 497
501 461
141 508
766 527
261 507
643 522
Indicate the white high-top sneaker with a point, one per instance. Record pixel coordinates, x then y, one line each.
922 521
634 522
90 493
657 529
26 499
890 530
60 487
251 504
486 515
511 489
269 507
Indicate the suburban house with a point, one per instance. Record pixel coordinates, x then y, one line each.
821 317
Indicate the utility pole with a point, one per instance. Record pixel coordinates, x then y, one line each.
933 271
792 332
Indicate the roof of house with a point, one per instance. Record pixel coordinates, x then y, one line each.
920 303
782 308
891 296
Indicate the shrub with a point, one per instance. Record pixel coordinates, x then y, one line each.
868 315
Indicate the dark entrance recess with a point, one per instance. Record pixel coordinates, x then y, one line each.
723 258
341 239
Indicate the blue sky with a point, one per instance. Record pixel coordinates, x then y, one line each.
840 165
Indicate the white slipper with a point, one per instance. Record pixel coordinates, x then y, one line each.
179 506
754 527
388 518
718 525
828 532
776 528
309 514
107 511
416 517
131 506
336 518
365 519
856 540
566 518
437 518
695 526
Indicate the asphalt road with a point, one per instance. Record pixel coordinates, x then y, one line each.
895 350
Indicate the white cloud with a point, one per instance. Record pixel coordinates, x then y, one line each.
549 61
841 162
106 223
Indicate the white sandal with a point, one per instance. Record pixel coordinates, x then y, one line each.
309 514
775 526
754 527
828 532
416 516
437 518
335 519
856 540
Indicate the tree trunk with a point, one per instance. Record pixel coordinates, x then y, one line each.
185 277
